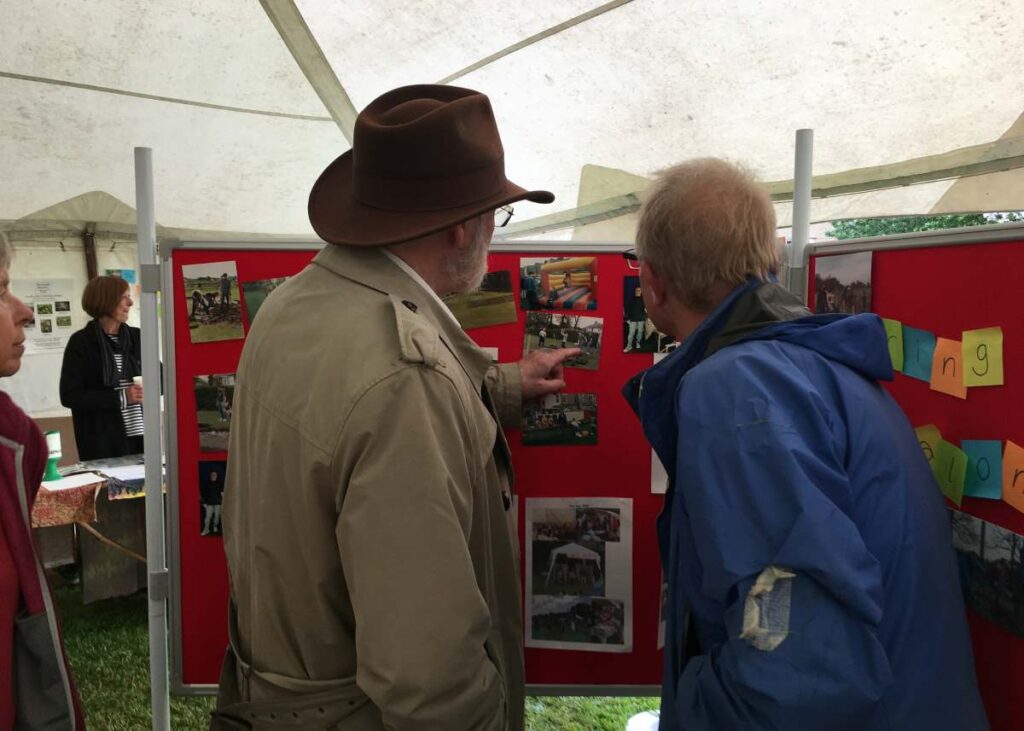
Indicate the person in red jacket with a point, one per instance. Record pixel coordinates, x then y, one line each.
36 687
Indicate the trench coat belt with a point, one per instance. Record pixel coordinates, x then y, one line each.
306 703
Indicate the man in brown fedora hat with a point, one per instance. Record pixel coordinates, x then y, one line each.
368 508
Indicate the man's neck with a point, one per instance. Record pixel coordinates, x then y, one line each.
425 263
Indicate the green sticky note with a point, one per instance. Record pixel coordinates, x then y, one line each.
950 468
929 437
894 336
983 357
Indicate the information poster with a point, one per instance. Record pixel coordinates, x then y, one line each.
50 300
579 582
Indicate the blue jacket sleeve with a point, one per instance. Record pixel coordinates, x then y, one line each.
761 479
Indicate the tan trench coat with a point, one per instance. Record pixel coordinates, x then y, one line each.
367 513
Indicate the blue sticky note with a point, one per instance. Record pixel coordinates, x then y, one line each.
984 468
918 348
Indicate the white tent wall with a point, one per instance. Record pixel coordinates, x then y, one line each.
35 388
239 133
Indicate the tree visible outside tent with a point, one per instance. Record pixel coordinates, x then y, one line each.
855 228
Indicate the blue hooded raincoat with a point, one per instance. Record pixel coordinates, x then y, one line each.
812 580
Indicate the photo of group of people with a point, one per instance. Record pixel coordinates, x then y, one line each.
212 302
842 284
559 283
560 419
211 494
579 572
214 396
991 564
491 304
548 330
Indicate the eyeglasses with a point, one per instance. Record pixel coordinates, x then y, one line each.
632 260
502 216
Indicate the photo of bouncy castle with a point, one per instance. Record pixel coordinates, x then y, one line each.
561 283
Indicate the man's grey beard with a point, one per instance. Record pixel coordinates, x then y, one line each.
467 269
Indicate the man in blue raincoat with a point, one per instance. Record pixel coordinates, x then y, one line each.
812 581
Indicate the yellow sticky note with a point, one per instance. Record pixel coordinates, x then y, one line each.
1013 475
929 437
948 368
894 336
983 357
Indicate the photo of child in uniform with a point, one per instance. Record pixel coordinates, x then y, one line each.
214 396
211 494
842 284
548 330
212 301
639 333
562 418
586 620
491 304
256 293
559 283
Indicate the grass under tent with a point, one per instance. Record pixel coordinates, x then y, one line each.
108 646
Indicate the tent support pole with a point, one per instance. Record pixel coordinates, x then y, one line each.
155 555
89 244
801 210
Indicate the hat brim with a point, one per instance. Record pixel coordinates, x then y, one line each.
338 218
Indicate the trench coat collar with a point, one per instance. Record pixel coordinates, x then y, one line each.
371 268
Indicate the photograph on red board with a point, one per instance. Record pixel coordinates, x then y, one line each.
579 578
550 330
569 620
558 283
638 332
567 419
842 284
215 395
256 293
490 304
991 563
211 494
212 302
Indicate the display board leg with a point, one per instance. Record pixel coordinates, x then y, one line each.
156 558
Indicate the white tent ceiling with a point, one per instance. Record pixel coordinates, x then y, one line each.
244 103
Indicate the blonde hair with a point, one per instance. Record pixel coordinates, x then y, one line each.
707 221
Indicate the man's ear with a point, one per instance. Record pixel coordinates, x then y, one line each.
651 282
459 236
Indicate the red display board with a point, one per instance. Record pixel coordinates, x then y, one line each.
618 466
946 290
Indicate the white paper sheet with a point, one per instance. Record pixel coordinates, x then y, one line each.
579 578
127 473
69 483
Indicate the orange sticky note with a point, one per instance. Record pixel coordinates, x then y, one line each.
948 368
1013 475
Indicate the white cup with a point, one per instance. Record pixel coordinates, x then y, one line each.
137 381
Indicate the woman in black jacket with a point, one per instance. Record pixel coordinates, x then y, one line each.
96 381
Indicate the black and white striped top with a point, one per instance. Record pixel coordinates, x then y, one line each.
131 413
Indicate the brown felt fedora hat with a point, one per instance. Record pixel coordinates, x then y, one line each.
423 158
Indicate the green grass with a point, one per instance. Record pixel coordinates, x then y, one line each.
108 648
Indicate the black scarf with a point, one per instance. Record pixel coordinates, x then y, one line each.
123 344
